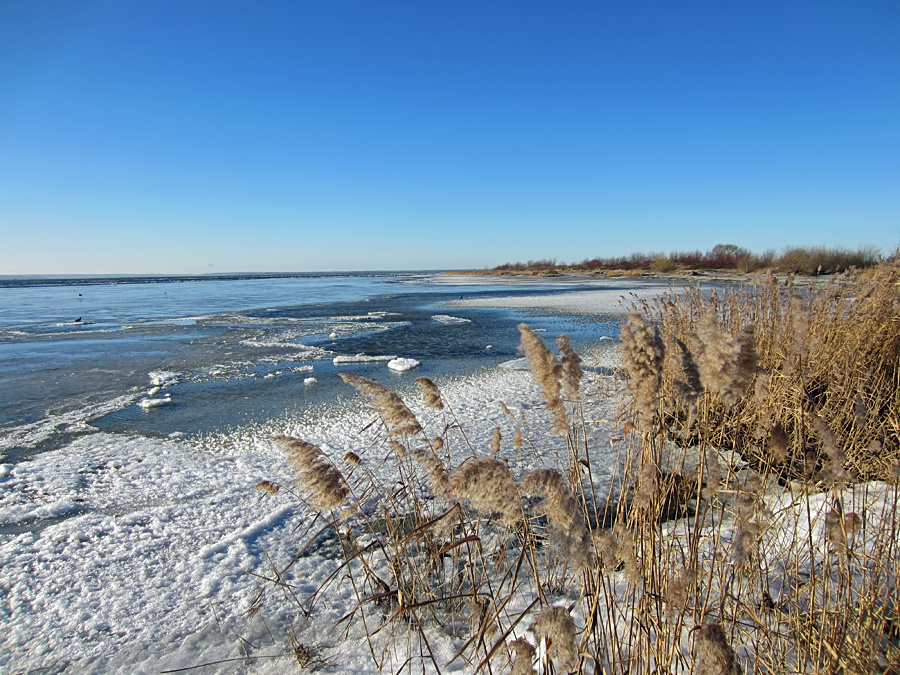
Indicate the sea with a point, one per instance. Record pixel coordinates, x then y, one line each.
228 350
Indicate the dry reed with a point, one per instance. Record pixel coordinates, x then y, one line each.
317 478
547 372
750 527
487 484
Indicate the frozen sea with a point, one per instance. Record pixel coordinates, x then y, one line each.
135 418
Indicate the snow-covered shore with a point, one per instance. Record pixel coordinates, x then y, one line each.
141 555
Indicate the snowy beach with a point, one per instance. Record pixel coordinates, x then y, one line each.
133 539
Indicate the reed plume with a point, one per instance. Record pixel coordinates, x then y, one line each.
488 485
556 628
437 474
431 393
268 487
643 351
833 472
568 531
317 477
689 387
524 651
547 372
397 416
571 368
714 655
495 441
726 364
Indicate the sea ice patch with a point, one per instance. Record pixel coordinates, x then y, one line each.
403 365
148 403
446 318
360 358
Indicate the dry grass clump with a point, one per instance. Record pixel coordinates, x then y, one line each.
817 372
750 525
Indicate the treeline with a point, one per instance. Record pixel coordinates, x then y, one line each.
811 260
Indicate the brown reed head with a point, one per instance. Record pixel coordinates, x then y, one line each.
524 657
317 477
568 531
726 364
714 655
642 352
547 372
488 485
397 416
431 393
268 487
437 474
495 441
556 628
571 368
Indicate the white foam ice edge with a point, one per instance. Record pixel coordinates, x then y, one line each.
149 403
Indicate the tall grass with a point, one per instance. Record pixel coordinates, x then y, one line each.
751 525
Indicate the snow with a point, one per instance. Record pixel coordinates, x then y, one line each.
135 555
600 301
403 365
163 378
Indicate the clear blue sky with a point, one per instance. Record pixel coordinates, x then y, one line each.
183 136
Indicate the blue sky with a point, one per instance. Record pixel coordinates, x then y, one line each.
182 136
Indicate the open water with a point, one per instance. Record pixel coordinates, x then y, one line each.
81 354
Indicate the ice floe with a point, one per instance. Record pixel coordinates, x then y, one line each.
403 365
446 318
148 403
516 364
163 378
360 358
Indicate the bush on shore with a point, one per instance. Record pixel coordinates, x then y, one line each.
809 261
